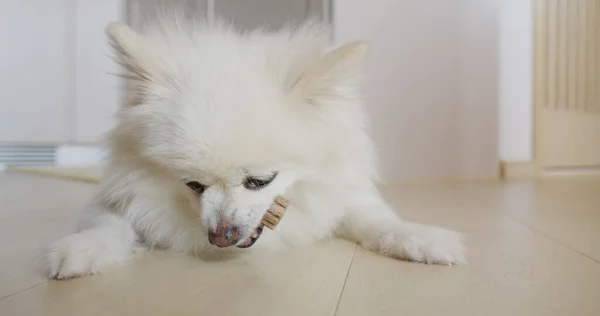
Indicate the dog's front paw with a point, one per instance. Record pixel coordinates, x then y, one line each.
428 244
80 254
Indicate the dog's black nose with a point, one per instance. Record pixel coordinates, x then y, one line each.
224 236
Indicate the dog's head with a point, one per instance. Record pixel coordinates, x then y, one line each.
237 118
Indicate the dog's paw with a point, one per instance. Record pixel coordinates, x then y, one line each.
80 254
428 244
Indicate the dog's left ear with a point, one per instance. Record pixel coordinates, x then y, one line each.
132 50
332 75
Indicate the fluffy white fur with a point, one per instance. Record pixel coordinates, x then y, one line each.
214 105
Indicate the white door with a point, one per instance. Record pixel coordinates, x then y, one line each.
245 14
567 83
270 13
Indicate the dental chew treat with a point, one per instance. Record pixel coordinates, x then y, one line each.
275 212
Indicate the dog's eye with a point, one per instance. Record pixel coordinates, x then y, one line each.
254 183
196 186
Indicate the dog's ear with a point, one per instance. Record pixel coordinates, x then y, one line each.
132 50
335 73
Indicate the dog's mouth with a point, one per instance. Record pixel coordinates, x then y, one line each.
252 238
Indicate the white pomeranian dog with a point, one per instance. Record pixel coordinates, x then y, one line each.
222 122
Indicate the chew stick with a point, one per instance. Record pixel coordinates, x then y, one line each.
275 212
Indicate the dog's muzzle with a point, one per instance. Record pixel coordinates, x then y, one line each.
228 235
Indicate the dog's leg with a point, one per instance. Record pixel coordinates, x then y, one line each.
375 226
105 239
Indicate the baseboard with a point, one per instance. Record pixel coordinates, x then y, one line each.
82 174
78 155
439 180
586 171
516 170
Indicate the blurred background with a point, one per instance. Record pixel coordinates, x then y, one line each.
461 89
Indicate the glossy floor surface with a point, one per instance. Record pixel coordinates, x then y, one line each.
534 250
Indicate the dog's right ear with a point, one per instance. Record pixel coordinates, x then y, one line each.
333 74
132 50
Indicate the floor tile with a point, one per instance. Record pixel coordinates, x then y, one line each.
533 250
512 271
567 210
302 282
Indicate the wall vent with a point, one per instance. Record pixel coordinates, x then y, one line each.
27 155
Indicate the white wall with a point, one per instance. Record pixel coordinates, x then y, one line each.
36 62
516 81
458 68
432 83
56 85
98 92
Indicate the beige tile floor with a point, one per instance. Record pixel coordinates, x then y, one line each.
534 250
